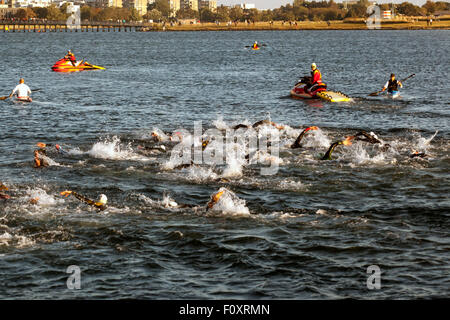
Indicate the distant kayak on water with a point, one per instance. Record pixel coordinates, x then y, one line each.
64 65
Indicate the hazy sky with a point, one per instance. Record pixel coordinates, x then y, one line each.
271 4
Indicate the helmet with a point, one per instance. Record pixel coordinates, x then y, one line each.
313 65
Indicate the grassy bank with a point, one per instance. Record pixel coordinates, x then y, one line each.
348 24
309 25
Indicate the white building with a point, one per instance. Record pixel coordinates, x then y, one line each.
31 3
208 4
248 6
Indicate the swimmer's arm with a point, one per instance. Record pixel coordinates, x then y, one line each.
83 198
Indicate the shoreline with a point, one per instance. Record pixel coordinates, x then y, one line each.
306 25
358 24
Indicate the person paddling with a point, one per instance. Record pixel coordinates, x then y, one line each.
316 79
255 45
392 85
22 91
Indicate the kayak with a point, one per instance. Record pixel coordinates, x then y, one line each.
257 48
27 99
298 92
64 65
393 94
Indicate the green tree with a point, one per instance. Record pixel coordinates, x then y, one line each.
207 15
187 13
134 15
430 7
54 13
266 15
41 13
236 14
300 13
154 15
86 13
253 15
408 9
223 13
163 7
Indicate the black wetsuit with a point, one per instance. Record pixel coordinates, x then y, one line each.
297 144
327 155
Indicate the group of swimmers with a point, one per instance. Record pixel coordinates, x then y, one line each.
41 160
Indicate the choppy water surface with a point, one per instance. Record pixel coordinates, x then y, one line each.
309 231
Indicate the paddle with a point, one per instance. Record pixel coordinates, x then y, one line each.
378 92
261 45
32 90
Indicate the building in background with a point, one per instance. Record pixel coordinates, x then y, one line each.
247 6
189 4
3 4
208 4
103 3
387 14
174 6
139 5
31 3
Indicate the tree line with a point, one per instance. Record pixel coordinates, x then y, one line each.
299 10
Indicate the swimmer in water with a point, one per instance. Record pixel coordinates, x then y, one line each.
370 138
259 123
214 199
3 195
39 160
417 154
346 142
99 205
297 144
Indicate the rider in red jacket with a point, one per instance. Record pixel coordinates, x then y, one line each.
316 79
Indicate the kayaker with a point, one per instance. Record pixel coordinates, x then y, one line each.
392 85
22 91
100 204
316 79
255 45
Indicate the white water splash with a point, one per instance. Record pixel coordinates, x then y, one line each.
113 150
229 203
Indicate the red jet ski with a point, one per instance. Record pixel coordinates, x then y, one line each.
64 65
299 91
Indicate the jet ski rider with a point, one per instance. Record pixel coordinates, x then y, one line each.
316 79
71 57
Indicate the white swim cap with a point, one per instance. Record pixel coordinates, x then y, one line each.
103 199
